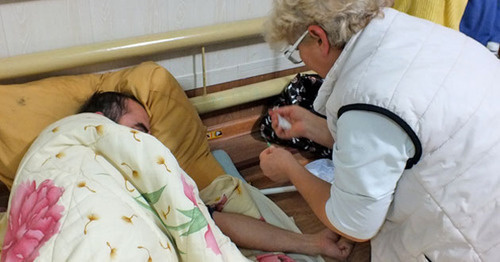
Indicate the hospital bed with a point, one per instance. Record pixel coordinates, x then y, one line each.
34 109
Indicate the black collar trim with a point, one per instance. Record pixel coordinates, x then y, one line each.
413 136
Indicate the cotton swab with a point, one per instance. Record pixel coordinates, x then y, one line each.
283 123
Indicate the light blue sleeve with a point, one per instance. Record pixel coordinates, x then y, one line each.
227 164
369 156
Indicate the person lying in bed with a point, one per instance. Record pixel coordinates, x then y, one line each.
244 231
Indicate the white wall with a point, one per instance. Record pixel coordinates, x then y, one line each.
37 25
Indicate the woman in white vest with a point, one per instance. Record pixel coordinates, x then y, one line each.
413 116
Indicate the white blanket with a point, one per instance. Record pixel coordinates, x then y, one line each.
91 190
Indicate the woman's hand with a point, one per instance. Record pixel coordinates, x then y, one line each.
296 116
276 162
303 123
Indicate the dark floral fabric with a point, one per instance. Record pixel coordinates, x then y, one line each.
302 91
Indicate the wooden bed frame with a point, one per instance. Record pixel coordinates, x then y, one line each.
233 108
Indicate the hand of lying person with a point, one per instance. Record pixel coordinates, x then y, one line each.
332 245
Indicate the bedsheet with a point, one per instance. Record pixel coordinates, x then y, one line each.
91 190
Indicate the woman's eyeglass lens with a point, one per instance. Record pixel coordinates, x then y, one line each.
291 53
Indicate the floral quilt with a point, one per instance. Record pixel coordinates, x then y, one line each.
91 190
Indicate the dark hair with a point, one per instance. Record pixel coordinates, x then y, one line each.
111 104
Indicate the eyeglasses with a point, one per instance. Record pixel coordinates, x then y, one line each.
290 53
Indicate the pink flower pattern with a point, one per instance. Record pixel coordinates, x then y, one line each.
33 219
209 235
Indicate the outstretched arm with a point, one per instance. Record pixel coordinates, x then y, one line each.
251 233
279 165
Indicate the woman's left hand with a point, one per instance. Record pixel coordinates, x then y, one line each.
276 163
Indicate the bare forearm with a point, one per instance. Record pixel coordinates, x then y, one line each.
318 132
316 192
251 233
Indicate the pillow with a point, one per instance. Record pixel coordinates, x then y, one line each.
26 109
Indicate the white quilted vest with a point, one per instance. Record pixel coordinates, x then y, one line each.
444 89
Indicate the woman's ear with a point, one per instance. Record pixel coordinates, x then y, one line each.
321 38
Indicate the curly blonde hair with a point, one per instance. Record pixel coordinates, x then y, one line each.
341 19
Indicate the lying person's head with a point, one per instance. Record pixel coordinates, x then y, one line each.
121 108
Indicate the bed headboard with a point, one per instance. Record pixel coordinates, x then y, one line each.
54 60
145 46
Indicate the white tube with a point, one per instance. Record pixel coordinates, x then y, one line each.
277 190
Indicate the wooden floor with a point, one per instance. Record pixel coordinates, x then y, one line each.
241 140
